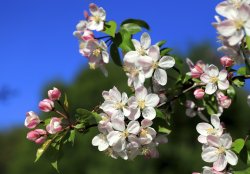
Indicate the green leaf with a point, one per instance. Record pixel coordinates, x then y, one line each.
47 121
186 78
161 43
165 51
239 82
114 53
55 165
238 145
110 28
164 130
42 149
247 171
248 42
160 114
79 126
231 92
72 136
85 115
242 71
97 117
132 28
66 103
123 40
139 22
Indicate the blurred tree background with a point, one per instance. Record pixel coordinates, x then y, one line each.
181 155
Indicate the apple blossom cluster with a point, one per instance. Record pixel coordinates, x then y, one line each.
32 121
216 147
125 127
146 62
234 28
95 51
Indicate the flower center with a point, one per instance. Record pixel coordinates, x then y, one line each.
141 104
119 105
238 24
155 65
142 51
143 133
97 19
221 150
125 134
211 131
97 52
214 79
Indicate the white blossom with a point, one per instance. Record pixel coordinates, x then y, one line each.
96 21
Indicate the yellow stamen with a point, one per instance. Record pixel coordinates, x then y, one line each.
97 52
214 79
221 150
141 104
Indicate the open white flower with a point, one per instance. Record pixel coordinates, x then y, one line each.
218 152
144 102
101 141
115 102
154 65
237 23
205 129
96 21
213 78
147 133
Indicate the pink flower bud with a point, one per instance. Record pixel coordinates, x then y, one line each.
196 71
226 61
54 94
199 93
54 126
87 35
32 120
223 100
37 135
46 105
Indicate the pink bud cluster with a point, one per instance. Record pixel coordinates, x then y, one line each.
32 119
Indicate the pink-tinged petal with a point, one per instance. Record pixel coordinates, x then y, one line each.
236 37
166 62
137 44
223 85
151 132
226 141
210 88
93 8
202 128
209 154
131 57
145 40
152 100
148 72
105 57
113 137
146 123
213 141
141 78
223 75
154 52
141 93
124 98
220 164
102 14
133 127
120 145
145 61
213 71
132 102
160 76
205 78
115 94
134 114
231 157
118 122
226 28
215 120
126 111
221 8
202 139
149 113
244 12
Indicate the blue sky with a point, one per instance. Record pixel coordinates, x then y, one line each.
37 45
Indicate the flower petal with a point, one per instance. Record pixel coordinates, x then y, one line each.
220 164
145 40
226 141
223 75
166 62
223 85
231 157
133 127
209 154
160 76
226 28
152 100
213 71
202 128
149 113
210 88
205 78
215 121
236 38
154 52
105 57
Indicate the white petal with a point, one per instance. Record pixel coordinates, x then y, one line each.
154 52
221 163
103 146
209 154
115 94
141 93
236 38
202 139
213 71
105 57
145 61
102 14
210 88
152 100
146 123
124 98
118 123
126 111
97 140
133 127
120 145
113 137
134 114
202 128
93 8
131 57
132 102
213 141
223 85
137 44
226 141
205 78
166 62
145 40
149 113
215 121
223 75
160 76
231 157
226 28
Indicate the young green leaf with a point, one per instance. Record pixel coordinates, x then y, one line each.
161 43
165 51
66 103
242 71
55 165
132 28
248 42
110 28
123 40
42 149
239 82
238 145
139 22
231 92
164 130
